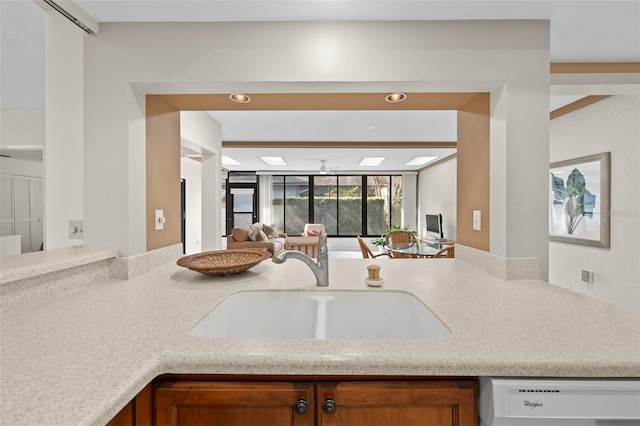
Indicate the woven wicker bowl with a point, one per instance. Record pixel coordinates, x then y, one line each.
223 262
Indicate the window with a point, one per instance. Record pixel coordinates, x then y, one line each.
346 205
243 177
350 205
277 202
396 200
325 203
290 203
378 204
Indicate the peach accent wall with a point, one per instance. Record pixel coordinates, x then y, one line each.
163 172
473 172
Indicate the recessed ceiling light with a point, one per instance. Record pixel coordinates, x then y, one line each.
419 161
395 97
241 98
273 161
370 161
229 161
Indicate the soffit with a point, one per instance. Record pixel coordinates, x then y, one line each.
318 101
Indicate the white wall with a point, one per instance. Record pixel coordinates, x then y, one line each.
437 194
285 57
21 56
609 125
200 130
58 125
190 171
64 123
22 117
22 128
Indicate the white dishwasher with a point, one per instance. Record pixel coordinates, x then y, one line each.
508 401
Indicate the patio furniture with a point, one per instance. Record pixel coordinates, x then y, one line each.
366 251
308 241
240 239
309 229
446 251
400 240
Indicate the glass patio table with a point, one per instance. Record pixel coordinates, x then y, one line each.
419 249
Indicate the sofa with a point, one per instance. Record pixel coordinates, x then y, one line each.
257 236
249 236
308 241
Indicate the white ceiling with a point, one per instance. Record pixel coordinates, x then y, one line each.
343 160
334 126
581 31
415 126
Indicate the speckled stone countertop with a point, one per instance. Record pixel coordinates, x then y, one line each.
79 358
30 265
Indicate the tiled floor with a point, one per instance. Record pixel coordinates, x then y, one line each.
345 254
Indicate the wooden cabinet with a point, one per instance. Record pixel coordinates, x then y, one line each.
396 403
234 403
138 412
22 210
432 402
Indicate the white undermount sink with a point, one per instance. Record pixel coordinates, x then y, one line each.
321 315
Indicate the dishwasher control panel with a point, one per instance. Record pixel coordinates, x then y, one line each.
557 402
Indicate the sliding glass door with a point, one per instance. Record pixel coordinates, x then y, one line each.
242 200
346 205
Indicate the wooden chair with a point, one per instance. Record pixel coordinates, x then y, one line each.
446 251
401 240
366 251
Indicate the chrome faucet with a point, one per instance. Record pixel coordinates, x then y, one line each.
320 268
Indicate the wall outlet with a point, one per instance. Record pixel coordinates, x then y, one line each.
588 277
477 220
76 231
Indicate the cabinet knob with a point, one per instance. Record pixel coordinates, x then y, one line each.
329 406
301 407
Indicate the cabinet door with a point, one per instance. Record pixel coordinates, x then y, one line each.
28 197
234 403
402 403
6 205
138 412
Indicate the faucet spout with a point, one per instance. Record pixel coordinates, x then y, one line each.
320 267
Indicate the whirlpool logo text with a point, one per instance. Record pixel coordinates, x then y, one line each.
532 404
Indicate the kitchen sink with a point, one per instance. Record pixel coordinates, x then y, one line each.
321 315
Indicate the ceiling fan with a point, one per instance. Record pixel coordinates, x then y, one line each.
324 170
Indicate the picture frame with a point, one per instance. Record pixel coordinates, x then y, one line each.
579 200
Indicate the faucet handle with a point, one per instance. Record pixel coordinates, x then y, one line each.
320 237
322 244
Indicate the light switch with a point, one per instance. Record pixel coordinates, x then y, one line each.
160 220
76 231
477 220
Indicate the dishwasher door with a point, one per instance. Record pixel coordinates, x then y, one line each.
559 402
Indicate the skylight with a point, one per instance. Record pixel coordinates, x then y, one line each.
419 161
370 161
273 161
229 161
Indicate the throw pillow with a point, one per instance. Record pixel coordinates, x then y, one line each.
310 234
271 231
257 234
240 234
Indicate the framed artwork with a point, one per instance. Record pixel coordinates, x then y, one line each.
579 200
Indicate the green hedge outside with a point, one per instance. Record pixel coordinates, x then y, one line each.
325 208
